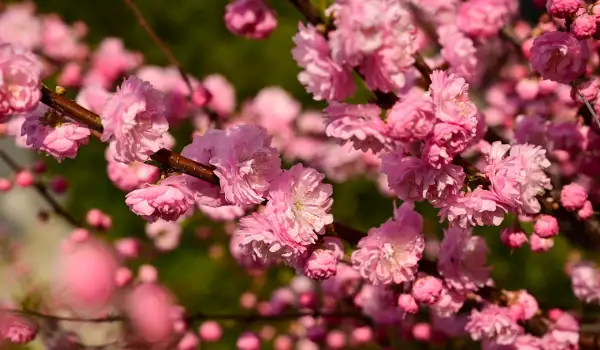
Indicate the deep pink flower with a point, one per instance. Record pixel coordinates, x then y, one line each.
546 226
19 25
408 304
585 280
573 196
128 177
245 163
413 179
135 118
427 290
168 200
462 259
532 130
20 84
493 323
562 8
391 252
324 78
61 42
275 110
513 237
584 26
301 196
586 212
559 56
17 329
359 124
412 118
46 131
481 18
250 18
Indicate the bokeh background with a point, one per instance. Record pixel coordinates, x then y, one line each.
195 32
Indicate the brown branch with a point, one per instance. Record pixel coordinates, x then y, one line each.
43 191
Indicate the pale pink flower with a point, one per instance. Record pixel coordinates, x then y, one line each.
359 124
70 75
493 323
300 194
61 42
573 196
539 244
97 218
245 163
165 234
559 56
93 97
379 303
17 329
323 78
222 94
168 200
449 303
275 110
427 290
481 18
135 118
222 213
563 334
462 259
111 59
19 25
460 52
128 177
527 303
46 131
475 208
250 18
391 252
322 262
413 179
585 280
412 118
451 99
20 84
149 306
517 175
244 257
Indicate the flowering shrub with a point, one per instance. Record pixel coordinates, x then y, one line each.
473 115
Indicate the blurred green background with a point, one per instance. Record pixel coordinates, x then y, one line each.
195 32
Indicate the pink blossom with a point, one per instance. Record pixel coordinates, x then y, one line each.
562 8
210 331
481 18
564 333
493 323
168 200
70 74
19 25
323 78
275 110
149 307
586 212
20 84
408 304
573 196
539 244
135 118
531 130
546 226
61 42
344 283
188 342
513 237
17 329
585 280
222 213
589 88
559 56
391 252
526 303
128 177
24 178
359 124
45 131
379 303
250 18
165 234
322 262
93 97
476 208
413 179
446 141
96 218
462 260
301 195
584 26
222 94
451 100
111 59
412 118
87 274
449 303
427 290
518 177
460 52
248 341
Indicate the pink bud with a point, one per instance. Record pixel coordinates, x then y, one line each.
248 341
59 185
584 26
308 300
210 331
408 303
555 314
427 290
539 244
513 238
188 342
97 218
38 167
248 300
5 185
562 8
79 235
573 196
123 276
147 273
336 339
128 247
421 331
361 335
200 97
546 226
70 75
586 212
283 342
149 308
588 88
527 89
17 329
24 178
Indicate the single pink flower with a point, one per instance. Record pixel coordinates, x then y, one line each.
408 304
380 303
412 118
584 26
111 59
481 18
20 25
168 200
93 97
546 226
493 323
513 237
586 212
573 196
322 262
475 208
149 307
539 244
128 177
20 84
391 253
323 77
559 56
248 341
222 94
585 281
61 42
250 18
135 118
427 290
562 8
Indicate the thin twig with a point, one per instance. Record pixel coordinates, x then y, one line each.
589 107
